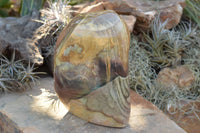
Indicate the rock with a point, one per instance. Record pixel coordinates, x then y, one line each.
145 117
190 121
180 76
16 34
100 104
130 21
143 112
76 9
98 45
7 125
172 15
93 8
145 11
31 130
94 56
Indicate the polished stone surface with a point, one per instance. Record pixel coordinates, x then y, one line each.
91 51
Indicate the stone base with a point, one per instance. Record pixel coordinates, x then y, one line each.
109 105
144 116
7 125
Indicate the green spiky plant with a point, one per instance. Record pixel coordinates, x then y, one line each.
162 48
4 81
11 66
15 75
27 75
143 81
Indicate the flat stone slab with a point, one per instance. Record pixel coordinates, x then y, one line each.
32 110
7 125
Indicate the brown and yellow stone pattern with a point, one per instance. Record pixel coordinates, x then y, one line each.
91 59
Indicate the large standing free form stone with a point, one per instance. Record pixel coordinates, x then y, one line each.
91 65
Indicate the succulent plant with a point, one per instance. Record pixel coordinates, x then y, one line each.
27 75
3 82
166 48
11 66
155 42
143 81
15 75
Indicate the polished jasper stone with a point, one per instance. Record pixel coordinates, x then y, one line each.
91 51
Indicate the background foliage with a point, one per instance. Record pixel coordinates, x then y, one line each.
29 5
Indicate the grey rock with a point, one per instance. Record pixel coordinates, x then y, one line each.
16 34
